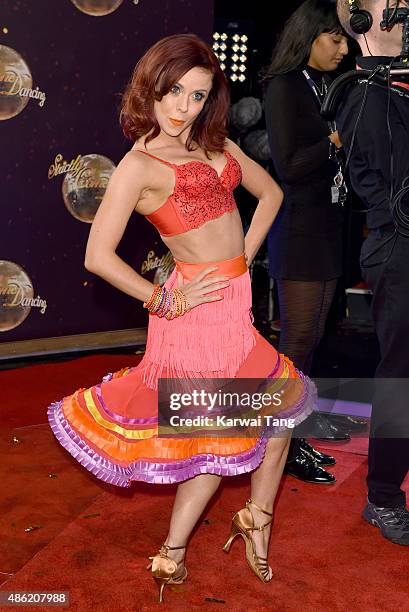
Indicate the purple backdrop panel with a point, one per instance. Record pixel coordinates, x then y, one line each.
63 67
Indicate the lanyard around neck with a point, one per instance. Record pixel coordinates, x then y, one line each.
319 95
339 190
314 88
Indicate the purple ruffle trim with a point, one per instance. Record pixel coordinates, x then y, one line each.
175 471
148 471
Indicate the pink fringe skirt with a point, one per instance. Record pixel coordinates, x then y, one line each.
112 428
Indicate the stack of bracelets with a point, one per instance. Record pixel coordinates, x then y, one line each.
168 304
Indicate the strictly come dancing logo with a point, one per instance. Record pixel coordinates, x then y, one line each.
163 266
16 84
97 8
16 296
86 179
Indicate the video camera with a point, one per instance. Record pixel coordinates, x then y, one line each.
393 16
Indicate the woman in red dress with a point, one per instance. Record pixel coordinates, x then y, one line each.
180 174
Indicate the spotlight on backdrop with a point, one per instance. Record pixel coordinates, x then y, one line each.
231 41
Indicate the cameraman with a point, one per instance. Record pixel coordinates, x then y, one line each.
373 123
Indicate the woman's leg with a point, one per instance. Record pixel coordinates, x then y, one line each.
193 495
327 298
191 499
265 481
304 307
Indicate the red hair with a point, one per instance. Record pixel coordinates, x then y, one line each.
153 77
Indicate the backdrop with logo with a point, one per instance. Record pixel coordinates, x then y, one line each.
63 67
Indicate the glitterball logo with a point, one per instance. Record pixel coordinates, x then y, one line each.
163 266
16 84
16 296
85 182
97 8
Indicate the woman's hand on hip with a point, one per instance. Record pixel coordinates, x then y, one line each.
198 290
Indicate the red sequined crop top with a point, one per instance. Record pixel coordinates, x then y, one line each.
199 195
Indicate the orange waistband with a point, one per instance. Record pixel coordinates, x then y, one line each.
227 267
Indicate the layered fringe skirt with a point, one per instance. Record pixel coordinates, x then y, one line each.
112 428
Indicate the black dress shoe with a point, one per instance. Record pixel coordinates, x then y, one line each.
304 468
350 423
323 429
313 453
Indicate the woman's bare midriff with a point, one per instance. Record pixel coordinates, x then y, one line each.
216 240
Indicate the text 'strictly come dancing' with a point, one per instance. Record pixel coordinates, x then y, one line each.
180 174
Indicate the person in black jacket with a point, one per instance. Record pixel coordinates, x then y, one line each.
374 125
305 243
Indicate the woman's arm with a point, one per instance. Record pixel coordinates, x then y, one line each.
260 184
291 161
131 178
124 191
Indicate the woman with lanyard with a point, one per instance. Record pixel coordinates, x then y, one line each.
305 243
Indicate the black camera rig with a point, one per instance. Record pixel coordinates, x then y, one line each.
383 73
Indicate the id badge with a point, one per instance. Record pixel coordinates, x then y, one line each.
339 190
335 194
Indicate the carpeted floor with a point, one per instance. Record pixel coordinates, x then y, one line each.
93 539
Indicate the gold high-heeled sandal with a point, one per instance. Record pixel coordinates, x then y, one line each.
242 525
164 569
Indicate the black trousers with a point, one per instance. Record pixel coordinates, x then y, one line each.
304 307
388 278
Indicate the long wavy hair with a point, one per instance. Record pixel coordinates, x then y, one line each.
293 48
153 77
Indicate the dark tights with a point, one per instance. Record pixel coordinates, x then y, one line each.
304 307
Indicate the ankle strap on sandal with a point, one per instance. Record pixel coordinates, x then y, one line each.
166 548
254 528
250 501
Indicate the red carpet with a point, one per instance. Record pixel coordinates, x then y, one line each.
93 539
26 392
357 445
